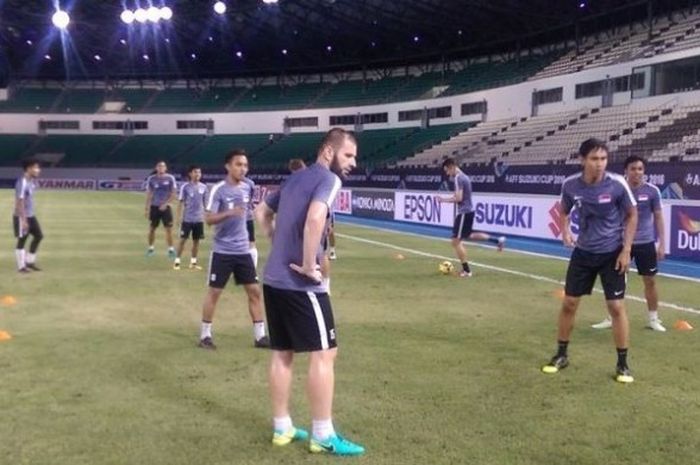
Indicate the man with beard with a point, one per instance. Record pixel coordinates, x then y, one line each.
300 318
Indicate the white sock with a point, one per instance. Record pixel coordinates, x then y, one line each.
332 249
327 284
254 254
150 247
259 330
205 331
30 258
19 256
177 260
653 315
322 429
171 249
193 260
282 424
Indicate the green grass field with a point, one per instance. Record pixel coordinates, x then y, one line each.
103 367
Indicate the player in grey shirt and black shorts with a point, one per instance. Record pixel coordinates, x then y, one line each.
190 215
299 313
607 215
227 207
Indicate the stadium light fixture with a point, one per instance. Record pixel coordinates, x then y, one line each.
153 14
284 51
146 57
220 8
47 57
140 15
60 19
97 58
239 54
269 2
127 16
166 13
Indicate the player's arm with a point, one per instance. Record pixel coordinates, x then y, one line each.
21 212
180 205
623 260
212 218
313 232
171 197
660 233
565 228
265 213
457 197
149 196
566 204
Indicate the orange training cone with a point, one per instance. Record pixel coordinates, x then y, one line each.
5 336
399 256
7 301
682 325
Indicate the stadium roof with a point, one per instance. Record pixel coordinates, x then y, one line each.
255 37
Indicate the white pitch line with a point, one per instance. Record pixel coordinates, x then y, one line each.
512 250
500 269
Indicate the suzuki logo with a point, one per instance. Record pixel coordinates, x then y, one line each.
555 215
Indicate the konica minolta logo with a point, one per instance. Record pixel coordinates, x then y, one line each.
382 204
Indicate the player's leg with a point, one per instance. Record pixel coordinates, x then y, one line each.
37 237
332 255
461 229
499 241
614 286
322 345
647 266
206 338
580 278
281 368
184 236
255 309
220 269
250 226
326 270
168 225
21 236
154 219
245 274
197 236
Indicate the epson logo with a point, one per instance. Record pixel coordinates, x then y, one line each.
422 207
377 204
499 214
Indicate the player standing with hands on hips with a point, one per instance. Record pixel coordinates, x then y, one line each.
298 306
607 224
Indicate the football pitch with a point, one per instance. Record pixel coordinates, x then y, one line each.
432 369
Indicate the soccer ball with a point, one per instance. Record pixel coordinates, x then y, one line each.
446 267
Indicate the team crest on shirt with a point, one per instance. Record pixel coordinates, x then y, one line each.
604 198
643 198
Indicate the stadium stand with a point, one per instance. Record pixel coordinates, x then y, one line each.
30 100
555 138
680 32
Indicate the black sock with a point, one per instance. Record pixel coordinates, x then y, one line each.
622 358
562 347
465 267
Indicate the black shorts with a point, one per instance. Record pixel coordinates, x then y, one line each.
299 321
463 226
250 226
157 216
33 227
644 256
222 266
584 267
195 229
